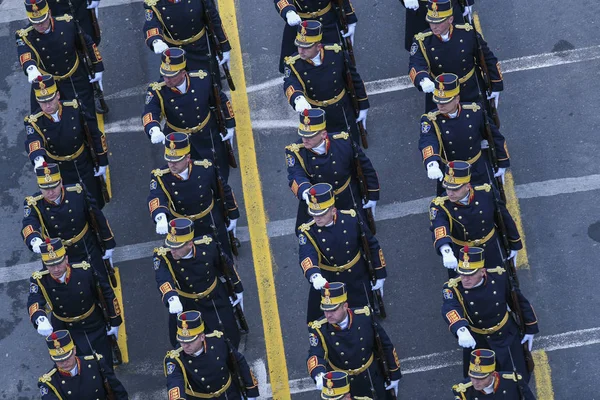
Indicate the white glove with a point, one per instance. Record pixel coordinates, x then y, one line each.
412 4
485 144
500 173
226 58
93 4
229 136
427 85
156 135
35 245
162 227
362 117
38 162
238 300
108 254
114 330
468 12
513 253
45 327
32 73
465 339
159 46
371 204
319 381
318 281
393 385
175 306
350 33
305 196
293 18
434 171
300 104
527 338
97 78
101 171
232 225
448 258
496 97
378 285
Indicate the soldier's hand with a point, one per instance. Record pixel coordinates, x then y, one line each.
371 204
427 85
175 306
38 162
35 245
529 340
448 257
350 33
159 46
500 174
468 13
98 78
378 285
156 135
318 281
319 380
305 196
496 97
362 117
434 171
162 227
93 4
232 226
226 58
465 339
300 104
292 18
411 4
44 327
393 385
239 299
108 253
114 330
485 144
32 73
101 171
229 136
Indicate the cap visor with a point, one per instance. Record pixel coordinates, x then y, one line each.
304 45
442 100
39 20
49 185
164 72
478 375
174 158
45 99
316 213
330 307
434 20
463 271
186 339
173 245
307 134
54 262
62 357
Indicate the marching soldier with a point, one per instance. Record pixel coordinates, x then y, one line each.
77 298
478 310
185 24
74 377
86 12
185 100
188 276
49 46
294 12
206 366
320 156
60 133
331 250
452 48
315 76
187 188
466 216
487 383
456 131
345 339
69 213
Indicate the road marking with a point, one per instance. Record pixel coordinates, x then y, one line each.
255 212
122 339
543 376
512 203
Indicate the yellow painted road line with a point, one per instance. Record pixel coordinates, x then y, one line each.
255 211
512 203
122 339
543 376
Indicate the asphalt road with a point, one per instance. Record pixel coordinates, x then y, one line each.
548 116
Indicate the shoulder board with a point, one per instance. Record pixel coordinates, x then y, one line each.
318 323
461 387
432 116
82 265
198 74
174 353
452 283
161 251
511 376
89 358
365 310
467 27
216 334
75 188
485 186
440 200
422 35
34 117
333 47
341 135
66 18
151 3
32 200
25 31
73 103
203 163
47 376
161 172
39 274
157 85
294 147
204 240
351 213
305 227
473 106
497 270
290 60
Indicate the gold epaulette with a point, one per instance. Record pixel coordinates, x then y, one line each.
198 74
512 377
290 60
151 3
351 213
440 200
83 265
98 357
216 334
365 310
39 274
24 32
47 376
305 227
32 201
432 116
452 283
75 188
466 26
461 387
73 103
295 147
318 323
341 135
66 18
174 353
160 172
157 85
485 186
161 251
203 163
473 106
333 47
33 118
204 240
497 270
422 35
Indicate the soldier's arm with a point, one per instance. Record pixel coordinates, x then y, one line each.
105 232
350 14
164 279
35 302
452 311
308 255
112 302
418 68
231 270
247 376
439 226
158 203
389 351
230 203
529 316
94 53
376 253
213 14
227 110
500 144
291 86
370 175
152 111
175 380
152 27
283 6
514 238
98 137
113 381
298 179
26 54
493 66
428 142
316 362
34 142
359 87
32 227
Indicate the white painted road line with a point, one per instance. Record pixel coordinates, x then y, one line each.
286 226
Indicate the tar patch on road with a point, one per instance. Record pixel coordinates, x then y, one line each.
594 231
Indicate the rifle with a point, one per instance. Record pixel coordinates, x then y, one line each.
110 394
235 367
343 21
87 62
379 352
117 357
95 24
349 84
519 387
214 41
